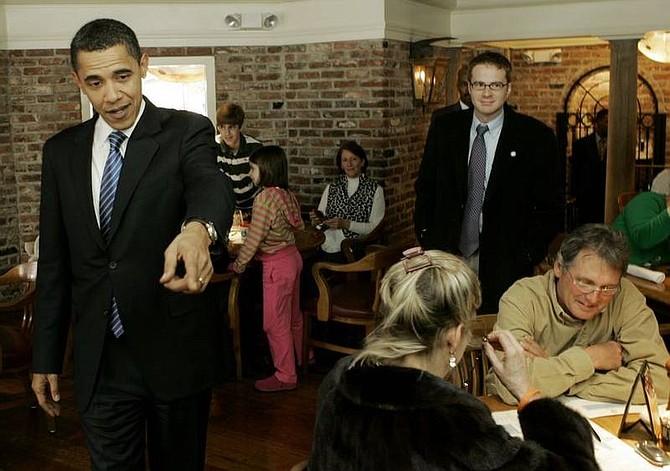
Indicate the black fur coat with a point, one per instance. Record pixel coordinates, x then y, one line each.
391 418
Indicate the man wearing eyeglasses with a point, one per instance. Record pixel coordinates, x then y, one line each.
489 186
585 329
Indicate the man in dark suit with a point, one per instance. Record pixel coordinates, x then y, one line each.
464 102
501 207
125 257
589 171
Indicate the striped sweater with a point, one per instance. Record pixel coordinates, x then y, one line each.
235 164
274 218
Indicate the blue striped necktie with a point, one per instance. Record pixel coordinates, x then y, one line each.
469 242
110 180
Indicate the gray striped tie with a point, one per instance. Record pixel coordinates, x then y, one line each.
469 242
110 180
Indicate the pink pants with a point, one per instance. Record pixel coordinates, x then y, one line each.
282 318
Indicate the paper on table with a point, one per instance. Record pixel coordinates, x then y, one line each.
593 409
612 454
646 273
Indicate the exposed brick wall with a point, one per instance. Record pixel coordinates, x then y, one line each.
42 100
9 233
307 98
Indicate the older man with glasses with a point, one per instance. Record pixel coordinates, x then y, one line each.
585 329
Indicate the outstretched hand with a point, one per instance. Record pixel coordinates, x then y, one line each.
190 247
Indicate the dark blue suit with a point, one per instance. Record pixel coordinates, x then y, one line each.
169 175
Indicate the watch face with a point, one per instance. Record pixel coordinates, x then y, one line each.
212 232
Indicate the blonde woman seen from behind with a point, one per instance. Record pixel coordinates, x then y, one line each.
390 408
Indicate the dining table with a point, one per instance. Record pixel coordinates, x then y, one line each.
611 449
659 292
307 240
610 423
658 297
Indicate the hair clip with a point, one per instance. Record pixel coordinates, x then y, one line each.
416 259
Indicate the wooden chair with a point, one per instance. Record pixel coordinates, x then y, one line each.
308 241
354 248
299 466
350 302
233 314
16 323
552 252
623 198
471 371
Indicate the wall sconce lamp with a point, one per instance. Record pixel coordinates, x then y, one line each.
246 21
423 62
655 45
423 75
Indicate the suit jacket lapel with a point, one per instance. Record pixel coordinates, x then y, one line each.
81 168
140 151
462 152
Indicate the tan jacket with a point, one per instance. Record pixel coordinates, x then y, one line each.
530 309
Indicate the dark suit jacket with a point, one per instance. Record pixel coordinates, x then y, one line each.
169 174
447 109
522 210
588 176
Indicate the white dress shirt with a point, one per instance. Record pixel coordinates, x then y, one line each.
101 152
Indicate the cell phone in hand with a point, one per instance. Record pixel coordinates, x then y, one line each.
320 217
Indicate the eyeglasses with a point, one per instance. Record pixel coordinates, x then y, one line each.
588 288
493 86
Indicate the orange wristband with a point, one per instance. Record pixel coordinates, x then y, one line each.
530 396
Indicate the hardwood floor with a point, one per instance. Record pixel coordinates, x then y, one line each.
248 431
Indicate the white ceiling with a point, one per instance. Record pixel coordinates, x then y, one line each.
30 24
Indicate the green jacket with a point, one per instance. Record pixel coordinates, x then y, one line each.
645 222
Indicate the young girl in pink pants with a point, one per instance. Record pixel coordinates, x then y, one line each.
274 217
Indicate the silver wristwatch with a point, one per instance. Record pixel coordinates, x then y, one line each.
211 230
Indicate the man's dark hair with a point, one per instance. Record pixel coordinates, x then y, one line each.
230 113
609 245
492 58
272 166
602 113
101 34
354 148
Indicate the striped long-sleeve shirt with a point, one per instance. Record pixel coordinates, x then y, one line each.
236 166
275 215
